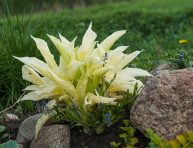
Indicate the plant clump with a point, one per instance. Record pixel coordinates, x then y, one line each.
90 85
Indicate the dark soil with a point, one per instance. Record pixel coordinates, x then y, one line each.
81 140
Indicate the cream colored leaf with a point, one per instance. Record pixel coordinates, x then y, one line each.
110 40
66 85
61 48
119 49
102 71
88 39
125 86
64 40
32 87
30 75
135 72
43 48
127 59
51 104
69 46
92 99
42 121
45 117
62 66
88 43
47 89
35 64
73 67
31 96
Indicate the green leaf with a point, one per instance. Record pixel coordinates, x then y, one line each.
5 136
133 141
124 128
181 139
190 134
124 136
126 122
2 128
175 144
9 144
115 145
153 145
100 129
153 137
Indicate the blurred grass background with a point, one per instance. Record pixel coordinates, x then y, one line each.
153 25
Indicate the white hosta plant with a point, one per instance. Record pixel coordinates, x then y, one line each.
80 72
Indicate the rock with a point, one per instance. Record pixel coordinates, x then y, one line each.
165 104
55 136
161 69
11 117
26 130
20 145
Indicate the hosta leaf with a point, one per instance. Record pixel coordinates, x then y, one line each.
127 59
135 72
32 76
100 99
110 40
88 39
42 121
61 48
45 117
43 48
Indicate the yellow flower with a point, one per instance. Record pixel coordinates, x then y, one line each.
183 41
80 72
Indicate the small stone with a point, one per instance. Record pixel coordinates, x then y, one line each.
54 136
11 118
26 130
165 104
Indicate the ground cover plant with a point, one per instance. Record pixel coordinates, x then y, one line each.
154 27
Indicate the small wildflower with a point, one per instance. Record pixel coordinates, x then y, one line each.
108 119
183 41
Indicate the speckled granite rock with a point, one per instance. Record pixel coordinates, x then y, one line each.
26 130
54 136
165 104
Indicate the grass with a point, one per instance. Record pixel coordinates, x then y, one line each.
155 26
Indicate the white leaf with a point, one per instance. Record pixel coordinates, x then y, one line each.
43 48
110 40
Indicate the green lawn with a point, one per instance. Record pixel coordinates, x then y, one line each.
154 26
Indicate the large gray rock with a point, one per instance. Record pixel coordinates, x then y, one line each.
165 104
55 136
26 130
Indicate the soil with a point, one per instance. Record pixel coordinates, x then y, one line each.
81 140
